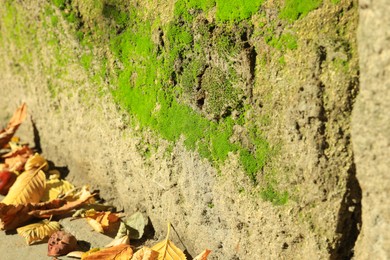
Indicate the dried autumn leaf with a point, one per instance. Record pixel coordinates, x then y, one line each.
75 254
203 255
120 252
13 216
101 221
38 231
16 159
145 253
133 226
15 121
28 188
36 161
57 207
167 250
119 241
95 225
55 188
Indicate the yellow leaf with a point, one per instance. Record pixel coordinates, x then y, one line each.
36 161
203 255
95 225
105 219
28 188
38 231
75 254
120 252
119 241
55 188
145 253
167 250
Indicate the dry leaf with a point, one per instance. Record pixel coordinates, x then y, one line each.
167 250
28 188
133 226
203 255
145 253
36 161
61 243
57 207
13 216
38 231
95 225
119 241
101 221
56 188
15 160
75 254
120 252
18 117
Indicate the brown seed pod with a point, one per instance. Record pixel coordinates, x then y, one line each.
61 243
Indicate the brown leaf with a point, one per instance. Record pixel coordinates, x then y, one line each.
120 252
15 121
167 250
203 255
145 253
13 216
38 231
16 160
28 188
66 206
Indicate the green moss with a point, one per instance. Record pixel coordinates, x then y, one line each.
272 195
60 3
335 1
236 10
285 41
295 9
86 60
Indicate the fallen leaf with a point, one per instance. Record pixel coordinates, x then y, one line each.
38 231
16 159
36 162
95 225
56 188
167 250
145 253
101 221
15 121
133 226
120 252
119 241
13 216
61 243
203 255
75 254
57 207
28 188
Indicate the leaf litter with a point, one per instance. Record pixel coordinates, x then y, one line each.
35 192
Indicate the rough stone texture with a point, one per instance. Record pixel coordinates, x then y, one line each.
308 98
371 129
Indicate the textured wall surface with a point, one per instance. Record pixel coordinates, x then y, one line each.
371 129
